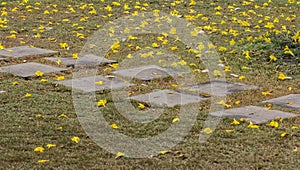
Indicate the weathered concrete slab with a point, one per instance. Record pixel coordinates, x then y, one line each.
168 98
88 84
289 101
220 88
88 59
29 69
24 51
148 72
254 113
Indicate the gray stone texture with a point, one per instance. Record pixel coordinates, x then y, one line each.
168 98
255 114
88 59
88 84
289 101
29 69
220 88
147 73
24 51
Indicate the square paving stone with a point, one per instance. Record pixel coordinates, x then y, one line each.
88 59
219 88
147 73
168 98
29 69
88 84
289 101
254 113
24 51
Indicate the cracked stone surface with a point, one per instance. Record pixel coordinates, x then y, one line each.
24 51
255 114
289 101
147 73
218 88
168 98
88 84
29 69
88 59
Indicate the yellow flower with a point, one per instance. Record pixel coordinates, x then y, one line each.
114 126
155 45
99 83
273 124
228 131
50 145
253 126
102 103
265 93
235 122
283 134
75 55
43 80
176 119
173 31
288 51
141 106
63 116
207 131
39 73
116 65
63 45
165 152
75 139
217 73
39 149
273 58
15 83
281 76
242 77
119 154
43 161
59 78
28 95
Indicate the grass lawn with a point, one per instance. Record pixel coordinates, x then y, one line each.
258 41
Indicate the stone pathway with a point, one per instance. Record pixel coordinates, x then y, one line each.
168 98
29 69
165 98
254 113
217 88
89 84
289 101
89 59
147 73
24 51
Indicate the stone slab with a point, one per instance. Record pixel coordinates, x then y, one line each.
289 101
88 84
88 59
24 51
168 98
147 73
29 69
220 88
255 114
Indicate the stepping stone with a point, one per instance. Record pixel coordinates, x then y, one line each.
89 59
220 88
289 101
168 98
29 69
253 113
24 51
88 84
147 73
